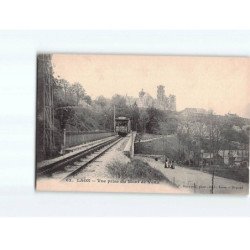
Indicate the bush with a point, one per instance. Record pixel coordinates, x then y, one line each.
135 170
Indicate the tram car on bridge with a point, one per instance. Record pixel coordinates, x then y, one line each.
122 126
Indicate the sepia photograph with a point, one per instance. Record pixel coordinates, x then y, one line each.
143 124
125 125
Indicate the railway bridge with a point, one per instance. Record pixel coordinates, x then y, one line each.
76 158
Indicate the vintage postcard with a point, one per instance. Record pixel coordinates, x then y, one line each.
143 123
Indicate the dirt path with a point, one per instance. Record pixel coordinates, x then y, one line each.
198 182
151 139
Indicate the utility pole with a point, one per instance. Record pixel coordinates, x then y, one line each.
164 145
114 118
212 150
212 188
164 148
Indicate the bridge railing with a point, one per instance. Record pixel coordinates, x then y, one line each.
129 149
74 138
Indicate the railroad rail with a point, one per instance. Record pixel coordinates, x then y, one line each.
78 161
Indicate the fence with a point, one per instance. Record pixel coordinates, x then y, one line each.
74 138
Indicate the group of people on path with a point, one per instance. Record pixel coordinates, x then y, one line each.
169 163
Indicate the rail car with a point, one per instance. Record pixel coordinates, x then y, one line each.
122 126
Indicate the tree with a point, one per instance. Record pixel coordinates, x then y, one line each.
79 92
118 101
64 114
135 117
143 120
101 101
120 106
87 99
169 123
65 87
154 117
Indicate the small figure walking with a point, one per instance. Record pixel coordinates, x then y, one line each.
172 164
167 162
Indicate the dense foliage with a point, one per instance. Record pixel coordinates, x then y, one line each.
75 110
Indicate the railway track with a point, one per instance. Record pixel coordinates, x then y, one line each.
72 165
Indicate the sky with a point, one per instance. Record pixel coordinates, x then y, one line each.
218 83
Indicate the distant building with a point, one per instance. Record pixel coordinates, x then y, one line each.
172 102
161 97
162 102
145 100
142 93
227 156
130 100
193 111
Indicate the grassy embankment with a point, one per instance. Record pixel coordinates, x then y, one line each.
167 145
136 170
